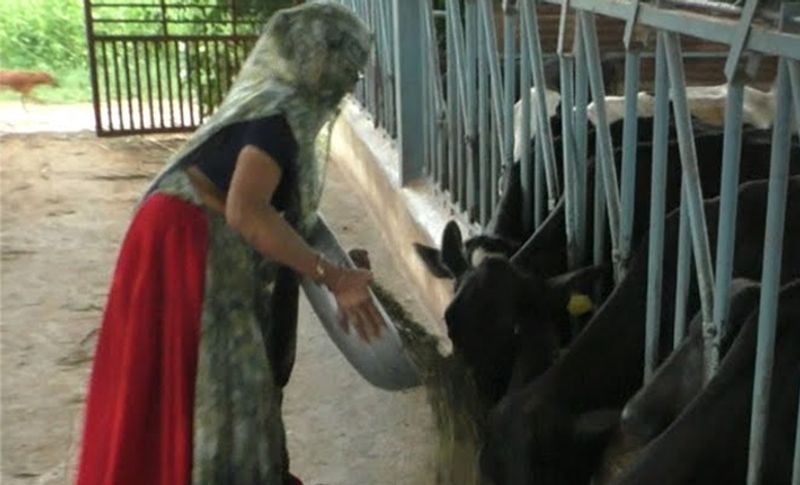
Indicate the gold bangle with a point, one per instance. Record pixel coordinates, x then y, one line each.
319 270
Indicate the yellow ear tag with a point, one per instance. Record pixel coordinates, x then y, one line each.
579 304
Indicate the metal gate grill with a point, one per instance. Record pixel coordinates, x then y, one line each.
161 66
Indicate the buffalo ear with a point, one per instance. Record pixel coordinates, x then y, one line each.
452 254
432 258
594 428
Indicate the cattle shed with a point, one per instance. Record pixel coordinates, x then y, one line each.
620 135
656 141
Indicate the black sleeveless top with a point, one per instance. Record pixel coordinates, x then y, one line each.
273 135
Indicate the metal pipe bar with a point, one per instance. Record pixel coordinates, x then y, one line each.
227 73
770 275
148 79
539 183
658 186
168 70
407 90
605 148
742 30
200 89
509 34
725 8
715 29
93 62
473 157
484 154
496 137
189 78
629 148
600 223
794 77
527 167
702 251
452 116
544 135
118 85
138 72
683 279
144 131
581 139
218 70
454 13
726 232
566 68
384 54
490 44
128 93
461 156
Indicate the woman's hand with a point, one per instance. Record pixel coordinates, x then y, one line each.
350 287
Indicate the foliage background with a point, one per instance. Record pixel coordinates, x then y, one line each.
49 35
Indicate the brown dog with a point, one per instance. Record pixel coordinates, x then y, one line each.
23 82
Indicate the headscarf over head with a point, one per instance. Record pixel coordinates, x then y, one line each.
307 58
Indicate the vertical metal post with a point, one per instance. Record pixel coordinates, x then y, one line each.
794 77
697 217
658 186
600 222
629 147
452 113
683 280
605 148
543 135
581 139
770 275
490 46
568 148
471 107
526 169
408 39
566 68
90 44
484 149
427 98
729 187
509 73
540 185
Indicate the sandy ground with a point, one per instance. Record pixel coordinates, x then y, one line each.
66 201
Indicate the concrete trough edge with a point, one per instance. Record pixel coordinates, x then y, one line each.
415 213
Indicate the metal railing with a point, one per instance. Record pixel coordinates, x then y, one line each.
161 66
462 97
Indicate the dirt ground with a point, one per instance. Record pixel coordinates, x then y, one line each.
65 204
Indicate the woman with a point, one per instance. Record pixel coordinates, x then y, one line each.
198 333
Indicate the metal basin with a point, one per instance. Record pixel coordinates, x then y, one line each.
382 362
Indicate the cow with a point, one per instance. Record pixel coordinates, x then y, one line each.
706 104
554 428
676 382
480 292
708 442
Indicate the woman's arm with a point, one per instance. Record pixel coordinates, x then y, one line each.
247 210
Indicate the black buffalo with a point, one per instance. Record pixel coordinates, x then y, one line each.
553 430
708 442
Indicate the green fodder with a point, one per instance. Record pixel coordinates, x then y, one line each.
452 395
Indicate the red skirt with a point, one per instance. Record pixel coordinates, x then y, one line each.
139 408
